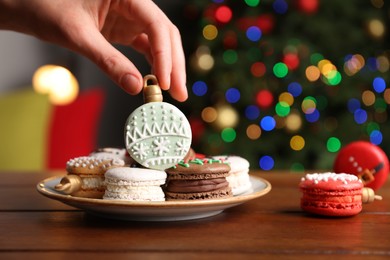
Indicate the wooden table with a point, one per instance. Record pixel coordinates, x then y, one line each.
273 226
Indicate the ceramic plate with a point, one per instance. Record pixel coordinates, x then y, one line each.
154 211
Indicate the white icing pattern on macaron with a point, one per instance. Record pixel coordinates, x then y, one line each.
318 177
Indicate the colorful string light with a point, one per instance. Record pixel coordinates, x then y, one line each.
292 85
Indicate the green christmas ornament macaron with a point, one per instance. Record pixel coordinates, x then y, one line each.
157 134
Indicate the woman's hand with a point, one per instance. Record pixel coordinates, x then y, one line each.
90 27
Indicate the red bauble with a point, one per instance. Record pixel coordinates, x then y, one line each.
308 6
365 160
197 128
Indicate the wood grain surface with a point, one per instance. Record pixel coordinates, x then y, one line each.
273 226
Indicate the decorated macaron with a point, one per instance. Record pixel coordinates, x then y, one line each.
365 160
331 194
157 134
198 179
112 152
85 176
238 177
334 194
134 184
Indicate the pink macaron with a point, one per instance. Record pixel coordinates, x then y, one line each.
331 194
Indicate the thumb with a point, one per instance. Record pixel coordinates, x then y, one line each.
117 66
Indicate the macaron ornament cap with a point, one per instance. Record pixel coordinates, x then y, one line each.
369 195
365 160
69 184
157 134
152 93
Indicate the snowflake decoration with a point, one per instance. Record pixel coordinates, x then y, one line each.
181 147
161 146
140 150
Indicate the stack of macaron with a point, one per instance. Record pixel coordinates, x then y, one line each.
111 174
134 184
198 179
238 177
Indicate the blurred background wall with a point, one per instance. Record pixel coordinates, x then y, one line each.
21 55
285 84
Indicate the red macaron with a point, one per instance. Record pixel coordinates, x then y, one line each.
331 194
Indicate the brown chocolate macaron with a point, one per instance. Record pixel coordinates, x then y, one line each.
198 179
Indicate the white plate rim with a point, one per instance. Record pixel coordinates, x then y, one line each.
199 208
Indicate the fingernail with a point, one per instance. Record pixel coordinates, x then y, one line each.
131 84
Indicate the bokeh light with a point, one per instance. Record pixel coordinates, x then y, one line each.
297 143
379 84
199 88
57 82
377 3
371 127
230 56
232 95
227 117
312 73
297 167
266 163
333 78
295 89
264 98
280 70
386 96
202 60
280 6
252 3
293 122
258 69
353 64
268 123
313 117
316 57
230 40
353 104
282 109
209 114
333 144
253 131
291 60
253 33
360 116
376 137
368 98
309 105
252 112
228 135
210 32
376 28
287 98
223 14
380 105
383 63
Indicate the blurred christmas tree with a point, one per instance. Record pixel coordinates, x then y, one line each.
286 84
